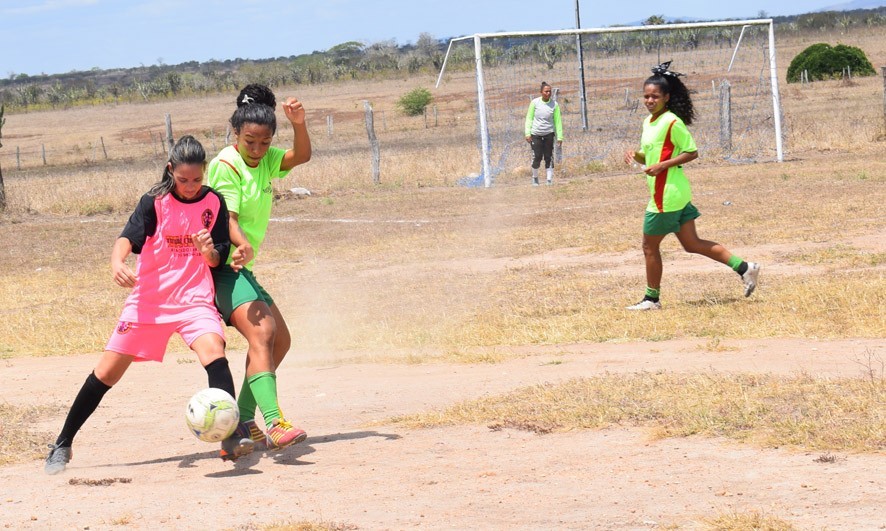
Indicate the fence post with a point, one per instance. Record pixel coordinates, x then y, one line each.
228 135
435 115
726 116
373 143
558 148
105 151
43 146
2 186
169 141
384 121
883 69
329 125
18 158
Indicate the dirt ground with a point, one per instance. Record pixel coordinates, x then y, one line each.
354 471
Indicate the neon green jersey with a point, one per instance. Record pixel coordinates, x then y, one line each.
247 191
664 139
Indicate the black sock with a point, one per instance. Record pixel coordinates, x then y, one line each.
84 405
648 298
220 376
742 268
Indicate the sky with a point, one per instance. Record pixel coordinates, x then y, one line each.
57 36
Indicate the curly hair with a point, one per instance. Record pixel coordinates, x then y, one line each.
680 103
255 105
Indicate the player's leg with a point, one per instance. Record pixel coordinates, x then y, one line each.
748 271
106 374
257 324
652 257
549 157
537 154
282 339
206 338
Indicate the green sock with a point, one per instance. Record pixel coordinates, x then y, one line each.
246 402
264 388
652 292
734 262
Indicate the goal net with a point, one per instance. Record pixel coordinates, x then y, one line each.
729 69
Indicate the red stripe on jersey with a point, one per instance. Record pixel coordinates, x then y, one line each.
232 167
667 149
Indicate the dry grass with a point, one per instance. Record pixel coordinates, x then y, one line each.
799 411
300 526
746 521
19 444
425 271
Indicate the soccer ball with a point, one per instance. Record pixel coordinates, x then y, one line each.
212 415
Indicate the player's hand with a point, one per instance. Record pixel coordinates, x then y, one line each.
123 276
529 139
294 110
630 157
203 242
241 256
655 169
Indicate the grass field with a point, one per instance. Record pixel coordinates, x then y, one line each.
417 270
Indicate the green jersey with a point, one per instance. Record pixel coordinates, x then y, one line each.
664 139
247 191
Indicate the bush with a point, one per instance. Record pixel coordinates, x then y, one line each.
414 102
822 61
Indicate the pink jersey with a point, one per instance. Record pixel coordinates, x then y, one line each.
174 280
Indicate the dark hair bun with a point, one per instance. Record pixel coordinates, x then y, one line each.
256 93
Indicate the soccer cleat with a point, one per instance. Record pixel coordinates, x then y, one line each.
750 278
550 182
58 458
535 181
255 433
238 444
645 304
282 434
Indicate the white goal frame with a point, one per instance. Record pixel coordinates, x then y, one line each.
481 88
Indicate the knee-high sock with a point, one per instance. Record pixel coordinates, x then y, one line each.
264 389
84 405
219 372
246 401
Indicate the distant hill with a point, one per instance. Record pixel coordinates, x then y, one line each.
855 4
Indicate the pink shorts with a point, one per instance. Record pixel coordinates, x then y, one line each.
148 341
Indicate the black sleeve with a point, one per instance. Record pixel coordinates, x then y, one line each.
221 236
142 224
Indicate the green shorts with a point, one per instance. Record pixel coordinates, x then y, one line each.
233 289
659 223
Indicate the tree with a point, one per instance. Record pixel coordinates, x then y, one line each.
414 102
654 20
823 61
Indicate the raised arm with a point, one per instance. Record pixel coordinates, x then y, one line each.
301 142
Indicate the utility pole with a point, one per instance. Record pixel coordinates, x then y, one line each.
581 72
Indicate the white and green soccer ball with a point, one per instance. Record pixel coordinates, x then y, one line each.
212 415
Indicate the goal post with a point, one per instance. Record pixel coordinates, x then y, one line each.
510 66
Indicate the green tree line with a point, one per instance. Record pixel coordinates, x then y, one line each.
355 60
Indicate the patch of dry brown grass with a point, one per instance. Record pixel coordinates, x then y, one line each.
18 443
799 411
746 521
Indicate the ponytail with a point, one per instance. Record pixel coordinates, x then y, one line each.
188 150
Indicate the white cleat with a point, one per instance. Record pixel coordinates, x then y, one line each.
750 278
645 304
